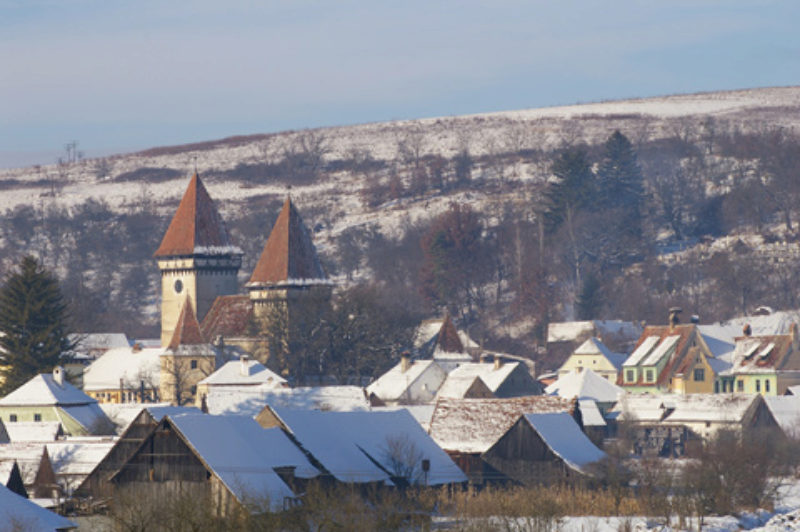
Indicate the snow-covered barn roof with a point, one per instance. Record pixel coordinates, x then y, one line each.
349 444
244 372
250 400
786 411
689 408
395 383
585 384
18 511
474 425
565 438
130 364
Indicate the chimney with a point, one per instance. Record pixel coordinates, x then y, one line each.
498 362
673 317
747 330
794 335
485 358
695 319
58 375
244 365
405 361
136 347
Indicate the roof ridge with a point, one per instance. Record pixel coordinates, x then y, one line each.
187 329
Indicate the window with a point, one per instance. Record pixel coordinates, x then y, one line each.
37 417
650 374
758 385
194 364
630 375
699 374
739 386
766 385
12 417
716 387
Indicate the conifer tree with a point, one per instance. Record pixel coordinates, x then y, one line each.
574 189
33 330
620 181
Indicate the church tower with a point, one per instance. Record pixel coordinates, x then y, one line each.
288 279
196 259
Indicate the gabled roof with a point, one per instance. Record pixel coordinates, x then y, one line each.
585 384
350 444
43 390
250 400
689 408
126 363
474 425
244 372
289 256
593 346
786 411
395 384
34 431
197 227
28 455
759 354
460 379
243 455
657 342
564 437
229 316
28 515
78 457
187 330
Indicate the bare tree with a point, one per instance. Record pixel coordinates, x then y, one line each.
403 458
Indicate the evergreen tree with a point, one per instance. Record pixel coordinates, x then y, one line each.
590 299
620 181
33 330
574 189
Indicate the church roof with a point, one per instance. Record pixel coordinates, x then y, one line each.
196 227
187 330
289 256
228 316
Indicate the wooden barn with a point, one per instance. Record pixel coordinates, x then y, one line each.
229 459
543 449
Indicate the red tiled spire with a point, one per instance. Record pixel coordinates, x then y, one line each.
289 253
196 224
448 339
187 330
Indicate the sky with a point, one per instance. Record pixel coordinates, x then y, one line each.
122 76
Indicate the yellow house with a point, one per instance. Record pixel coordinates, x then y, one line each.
594 355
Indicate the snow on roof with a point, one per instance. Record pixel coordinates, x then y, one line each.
394 384
779 322
593 346
43 390
34 430
717 346
565 438
662 350
28 456
460 379
422 413
761 354
126 363
80 456
90 417
590 414
243 455
690 408
18 511
571 331
348 443
786 411
6 468
244 372
91 341
793 390
585 384
642 351
250 400
122 414
474 425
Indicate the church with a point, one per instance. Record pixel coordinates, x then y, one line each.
203 314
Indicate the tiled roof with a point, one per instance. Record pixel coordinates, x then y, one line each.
229 316
755 354
187 330
289 255
661 334
474 425
196 224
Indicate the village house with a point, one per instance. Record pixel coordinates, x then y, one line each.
563 338
547 449
243 372
380 448
671 358
130 374
250 400
230 459
489 379
467 428
438 339
49 397
678 420
767 365
593 354
407 383
586 384
35 467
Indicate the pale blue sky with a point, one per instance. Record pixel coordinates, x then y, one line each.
120 76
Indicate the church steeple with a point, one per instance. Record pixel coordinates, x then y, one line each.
196 258
289 256
187 330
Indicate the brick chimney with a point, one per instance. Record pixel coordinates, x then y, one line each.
673 317
405 361
498 362
747 330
